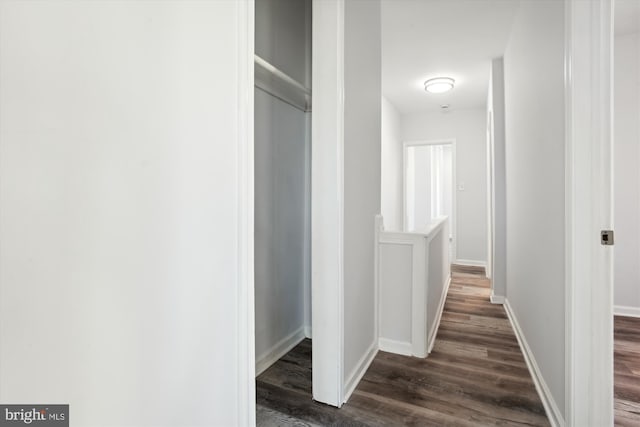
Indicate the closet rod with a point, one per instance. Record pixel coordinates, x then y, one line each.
275 82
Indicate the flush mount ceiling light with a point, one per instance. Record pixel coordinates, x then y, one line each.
439 85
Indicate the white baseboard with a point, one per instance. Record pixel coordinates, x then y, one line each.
496 299
359 371
281 348
470 263
621 310
434 328
393 346
551 408
307 331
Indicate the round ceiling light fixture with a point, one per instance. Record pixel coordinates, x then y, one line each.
439 85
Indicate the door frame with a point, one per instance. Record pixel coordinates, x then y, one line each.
245 320
491 205
588 209
327 201
454 192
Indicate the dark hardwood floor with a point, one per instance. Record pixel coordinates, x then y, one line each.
627 371
475 376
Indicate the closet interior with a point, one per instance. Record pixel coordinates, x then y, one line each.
282 178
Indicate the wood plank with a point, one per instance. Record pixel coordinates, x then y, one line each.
475 375
468 269
271 418
626 368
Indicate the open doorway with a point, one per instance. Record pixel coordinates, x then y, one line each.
282 156
429 182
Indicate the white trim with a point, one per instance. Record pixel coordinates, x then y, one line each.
490 180
341 5
436 225
393 346
308 332
360 369
409 238
245 323
327 202
496 299
470 263
419 294
453 238
434 328
621 310
307 224
419 243
378 229
400 238
419 142
279 349
588 209
550 406
496 194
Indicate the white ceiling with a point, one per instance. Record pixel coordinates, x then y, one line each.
422 39
627 17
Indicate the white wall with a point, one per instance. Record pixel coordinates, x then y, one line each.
391 165
396 280
280 206
445 183
497 181
120 209
468 128
626 173
414 271
282 284
535 176
362 130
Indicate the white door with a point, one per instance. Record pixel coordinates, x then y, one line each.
429 183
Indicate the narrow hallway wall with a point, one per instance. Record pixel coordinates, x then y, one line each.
362 130
535 178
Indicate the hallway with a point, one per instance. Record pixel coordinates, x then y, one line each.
475 375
